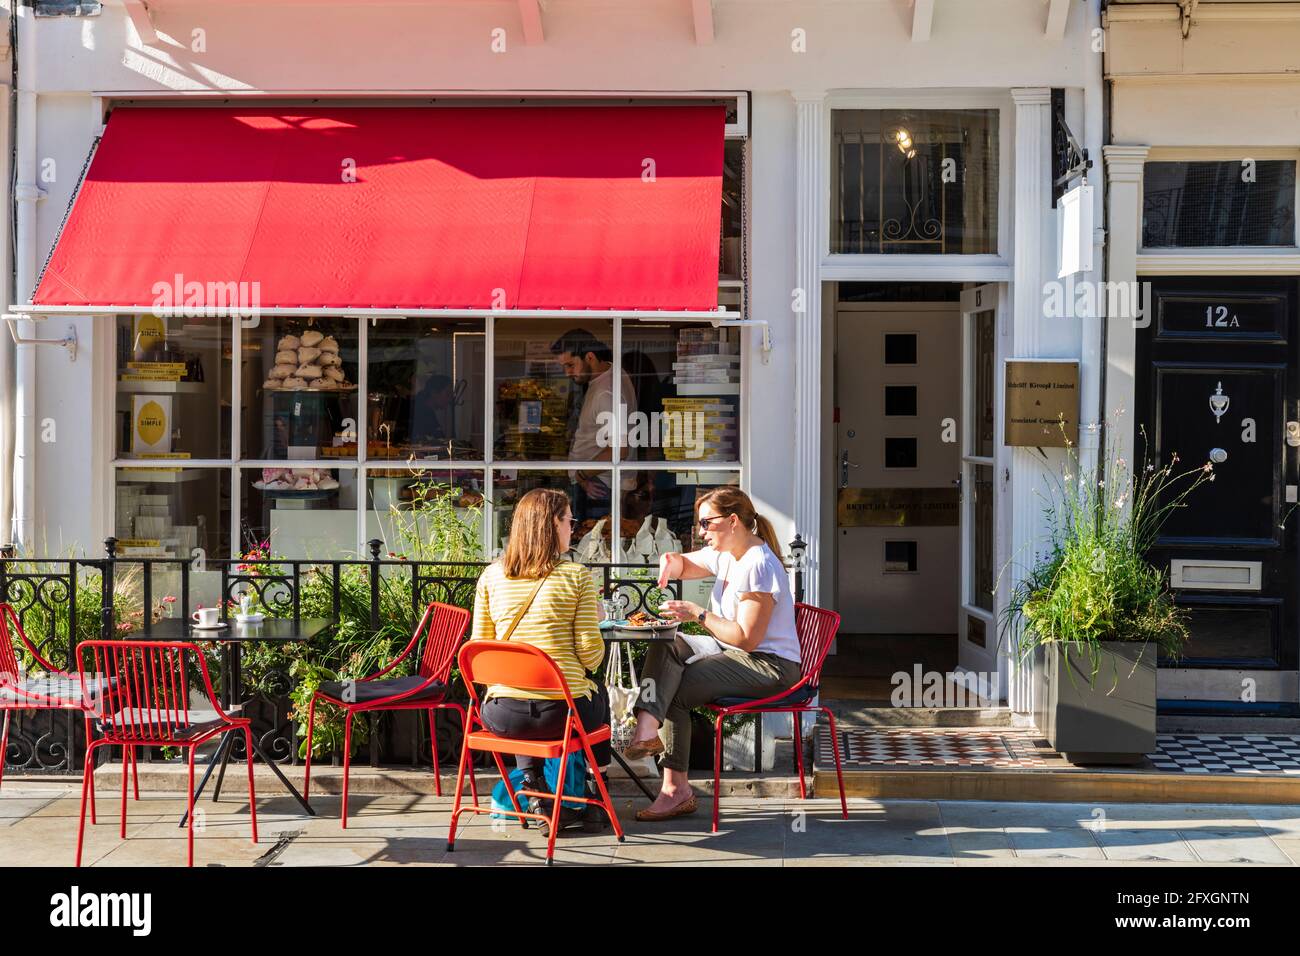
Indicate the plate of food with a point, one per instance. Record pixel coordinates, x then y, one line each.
647 622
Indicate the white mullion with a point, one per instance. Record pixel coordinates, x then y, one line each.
489 435
616 451
236 433
363 437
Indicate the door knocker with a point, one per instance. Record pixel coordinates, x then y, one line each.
1219 403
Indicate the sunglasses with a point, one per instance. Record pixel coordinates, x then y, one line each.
704 522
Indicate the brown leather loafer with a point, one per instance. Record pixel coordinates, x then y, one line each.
643 748
682 809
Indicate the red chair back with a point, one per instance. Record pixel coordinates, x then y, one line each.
816 627
152 699
513 664
10 667
444 626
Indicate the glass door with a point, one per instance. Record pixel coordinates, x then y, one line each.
976 625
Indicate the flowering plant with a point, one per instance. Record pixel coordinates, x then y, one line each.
1094 583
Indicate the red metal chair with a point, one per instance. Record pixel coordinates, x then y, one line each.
58 690
526 667
443 626
816 628
151 708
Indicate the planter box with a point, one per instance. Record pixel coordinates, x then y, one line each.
1109 721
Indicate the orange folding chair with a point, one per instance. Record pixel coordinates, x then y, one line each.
528 668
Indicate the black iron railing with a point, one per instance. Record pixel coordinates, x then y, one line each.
61 602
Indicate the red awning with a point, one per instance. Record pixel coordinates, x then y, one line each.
458 208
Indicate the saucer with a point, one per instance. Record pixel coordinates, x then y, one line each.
209 627
250 618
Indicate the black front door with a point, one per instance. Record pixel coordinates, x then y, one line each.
1216 381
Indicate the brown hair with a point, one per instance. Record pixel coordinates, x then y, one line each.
730 500
534 546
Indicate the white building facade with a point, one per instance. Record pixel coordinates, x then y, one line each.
1201 182
887 232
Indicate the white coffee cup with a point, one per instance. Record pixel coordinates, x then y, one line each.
206 616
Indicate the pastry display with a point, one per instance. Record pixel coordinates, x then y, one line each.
296 479
310 361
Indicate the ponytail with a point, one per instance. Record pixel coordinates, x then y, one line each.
729 499
763 528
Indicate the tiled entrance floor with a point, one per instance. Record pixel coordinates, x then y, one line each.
1025 749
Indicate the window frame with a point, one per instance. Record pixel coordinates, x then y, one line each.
954 267
1211 154
735 291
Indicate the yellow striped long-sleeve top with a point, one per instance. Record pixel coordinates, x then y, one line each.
562 621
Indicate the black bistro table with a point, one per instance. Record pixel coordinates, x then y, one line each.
616 635
231 638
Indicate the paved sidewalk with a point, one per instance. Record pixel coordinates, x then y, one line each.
38 825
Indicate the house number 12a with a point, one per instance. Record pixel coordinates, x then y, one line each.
1216 317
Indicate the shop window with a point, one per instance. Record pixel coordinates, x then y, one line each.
426 514
67 8
900 557
730 265
1230 203
173 388
900 452
900 401
425 389
900 348
299 389
659 511
172 511
588 491
685 399
914 182
554 382
305 509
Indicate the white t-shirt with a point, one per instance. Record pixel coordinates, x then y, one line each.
757 570
598 424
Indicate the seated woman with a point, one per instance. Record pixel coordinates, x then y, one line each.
751 614
561 620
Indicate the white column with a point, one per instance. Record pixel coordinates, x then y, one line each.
1032 202
810 241
1123 218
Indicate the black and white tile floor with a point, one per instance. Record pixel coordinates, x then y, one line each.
1024 749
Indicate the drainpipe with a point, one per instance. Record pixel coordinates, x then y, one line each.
26 194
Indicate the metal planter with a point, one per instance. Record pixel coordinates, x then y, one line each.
1109 719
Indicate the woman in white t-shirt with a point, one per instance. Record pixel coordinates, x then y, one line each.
756 648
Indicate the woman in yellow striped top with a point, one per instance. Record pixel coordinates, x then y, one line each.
562 621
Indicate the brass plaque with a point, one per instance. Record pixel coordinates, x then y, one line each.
1042 403
898 507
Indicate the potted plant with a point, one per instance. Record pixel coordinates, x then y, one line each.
1095 613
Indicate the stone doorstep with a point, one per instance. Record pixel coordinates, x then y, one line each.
167 777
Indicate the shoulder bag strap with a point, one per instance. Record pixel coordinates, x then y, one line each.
525 606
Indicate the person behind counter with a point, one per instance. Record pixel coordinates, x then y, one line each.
588 361
561 620
750 614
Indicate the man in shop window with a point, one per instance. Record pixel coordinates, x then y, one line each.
432 411
589 362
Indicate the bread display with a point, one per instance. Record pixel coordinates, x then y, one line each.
296 479
310 360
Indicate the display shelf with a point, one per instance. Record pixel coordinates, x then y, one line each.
144 473
709 389
161 388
